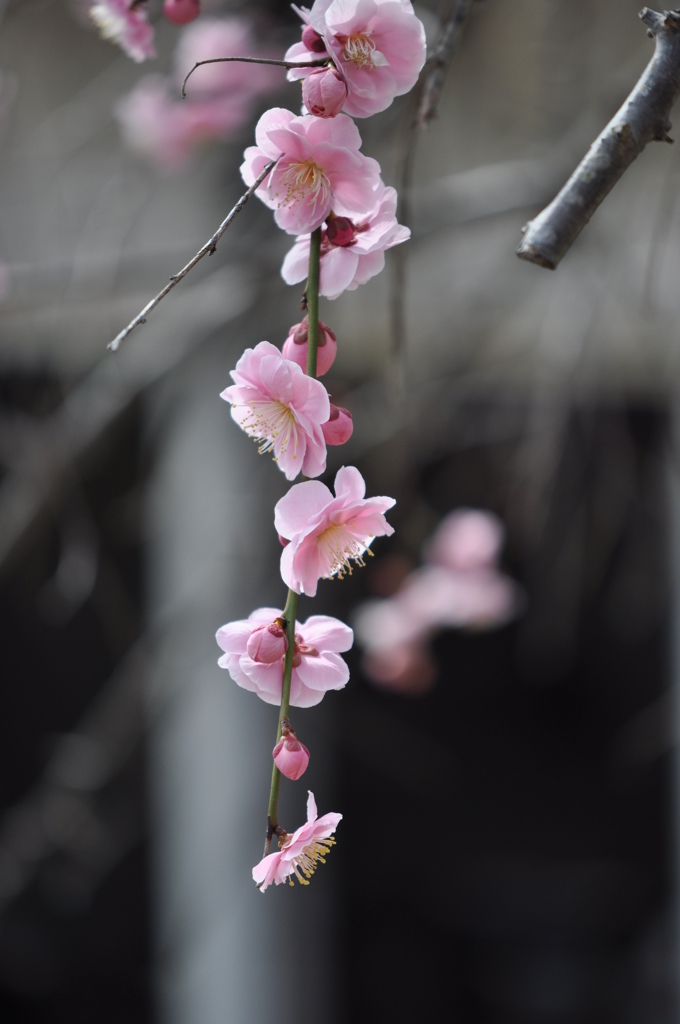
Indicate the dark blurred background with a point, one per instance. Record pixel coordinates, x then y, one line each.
508 851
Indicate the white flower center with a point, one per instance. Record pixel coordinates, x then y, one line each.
312 855
341 548
272 423
359 50
305 180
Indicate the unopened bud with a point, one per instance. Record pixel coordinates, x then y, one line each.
267 643
181 12
295 347
312 40
324 92
290 756
338 427
340 231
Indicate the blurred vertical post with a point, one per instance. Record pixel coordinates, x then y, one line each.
673 477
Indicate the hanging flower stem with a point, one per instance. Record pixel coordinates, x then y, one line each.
290 611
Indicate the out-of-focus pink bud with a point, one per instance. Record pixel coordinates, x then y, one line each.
312 40
340 231
324 92
267 643
466 539
338 427
181 12
295 347
290 756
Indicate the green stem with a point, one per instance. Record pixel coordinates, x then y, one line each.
290 611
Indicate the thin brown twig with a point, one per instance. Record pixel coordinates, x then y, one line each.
208 249
318 63
643 118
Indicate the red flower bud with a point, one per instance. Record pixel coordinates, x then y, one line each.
181 12
312 40
338 427
340 231
267 644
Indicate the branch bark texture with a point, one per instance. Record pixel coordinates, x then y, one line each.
643 118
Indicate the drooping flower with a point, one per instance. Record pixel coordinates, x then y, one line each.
319 168
339 426
324 92
124 22
290 756
301 853
277 404
317 665
353 253
326 533
377 45
295 347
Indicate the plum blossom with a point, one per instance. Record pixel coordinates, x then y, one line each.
317 665
461 588
295 347
328 533
319 168
377 45
352 255
166 130
300 854
124 22
273 401
290 756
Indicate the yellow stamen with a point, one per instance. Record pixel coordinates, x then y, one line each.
309 859
304 180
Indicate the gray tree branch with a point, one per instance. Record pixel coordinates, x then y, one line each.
643 118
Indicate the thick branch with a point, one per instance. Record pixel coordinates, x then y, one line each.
644 117
438 63
208 249
318 63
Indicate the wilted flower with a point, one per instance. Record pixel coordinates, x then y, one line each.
317 665
328 533
277 404
301 853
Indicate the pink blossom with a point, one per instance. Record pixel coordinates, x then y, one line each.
408 669
328 533
355 260
268 643
338 427
317 665
324 92
319 168
295 347
181 12
125 23
466 539
277 404
300 853
377 45
290 756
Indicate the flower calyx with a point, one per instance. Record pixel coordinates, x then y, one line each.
300 648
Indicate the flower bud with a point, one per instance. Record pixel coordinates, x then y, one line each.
340 231
283 541
295 347
338 427
290 756
324 92
181 12
267 643
312 40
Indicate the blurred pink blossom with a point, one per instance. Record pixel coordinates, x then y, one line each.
346 265
290 756
328 533
278 405
319 168
124 22
223 37
317 665
295 347
338 427
377 45
466 539
300 853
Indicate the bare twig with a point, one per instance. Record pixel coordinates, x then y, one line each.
208 249
438 63
642 119
318 63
